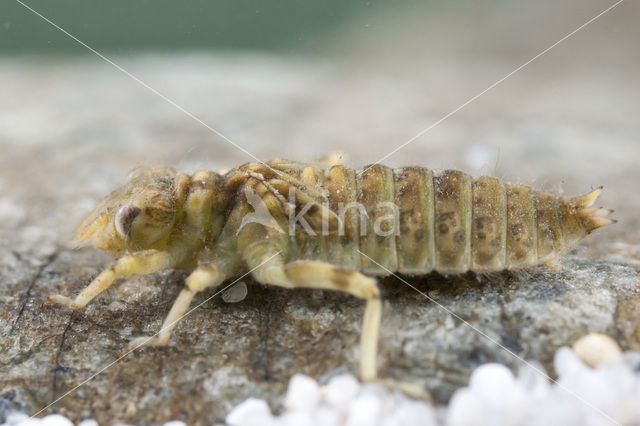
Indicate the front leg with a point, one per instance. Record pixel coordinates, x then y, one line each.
145 262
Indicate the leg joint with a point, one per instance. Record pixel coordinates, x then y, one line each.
203 277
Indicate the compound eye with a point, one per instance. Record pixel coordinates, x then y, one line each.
124 219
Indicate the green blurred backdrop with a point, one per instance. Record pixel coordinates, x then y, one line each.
125 25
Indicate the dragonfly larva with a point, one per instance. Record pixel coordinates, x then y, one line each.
299 225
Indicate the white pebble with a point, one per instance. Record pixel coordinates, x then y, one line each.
303 393
252 412
327 416
55 420
596 349
364 411
491 379
26 422
15 418
533 379
558 407
590 387
296 418
408 413
620 376
171 423
567 363
341 390
236 293
91 422
494 396
465 408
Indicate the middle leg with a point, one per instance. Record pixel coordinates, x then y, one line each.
209 274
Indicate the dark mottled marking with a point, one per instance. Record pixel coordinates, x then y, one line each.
446 216
518 232
458 237
375 187
484 222
414 199
166 181
521 227
452 208
549 232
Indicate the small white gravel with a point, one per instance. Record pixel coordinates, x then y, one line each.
596 349
303 393
20 419
340 390
252 412
582 395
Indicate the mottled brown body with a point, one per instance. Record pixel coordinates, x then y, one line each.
445 221
295 225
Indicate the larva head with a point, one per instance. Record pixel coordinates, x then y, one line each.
136 216
580 219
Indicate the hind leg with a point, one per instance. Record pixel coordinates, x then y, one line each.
320 275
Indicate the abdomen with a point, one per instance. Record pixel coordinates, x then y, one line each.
446 221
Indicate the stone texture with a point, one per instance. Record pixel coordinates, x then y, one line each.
70 130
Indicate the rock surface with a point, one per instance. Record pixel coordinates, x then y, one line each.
70 130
